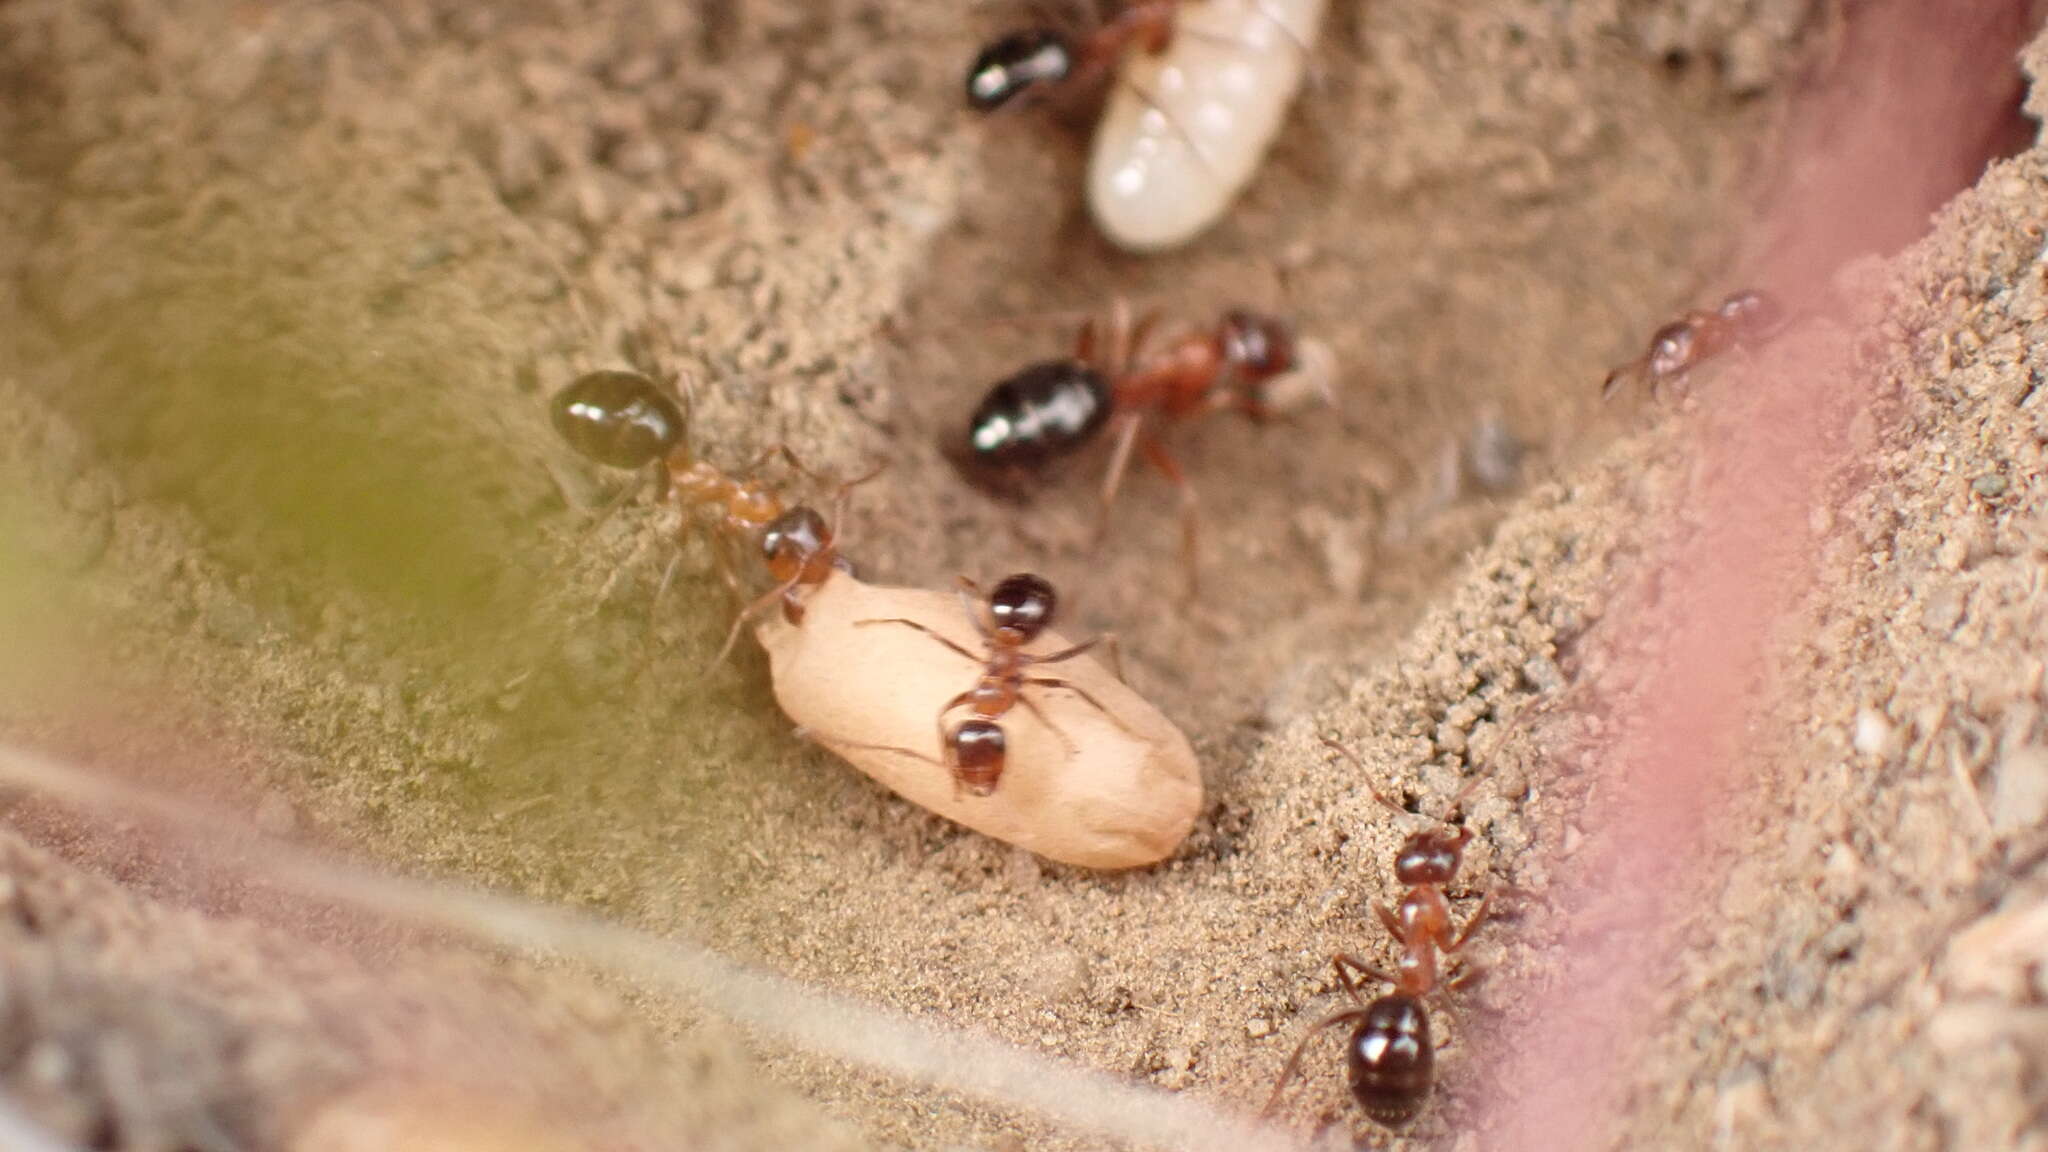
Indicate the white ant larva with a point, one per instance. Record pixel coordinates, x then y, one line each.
1084 770
1186 127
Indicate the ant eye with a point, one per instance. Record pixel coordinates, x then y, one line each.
619 419
1014 65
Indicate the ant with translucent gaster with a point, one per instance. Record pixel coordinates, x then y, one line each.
624 420
1743 319
1052 407
1013 614
1391 1057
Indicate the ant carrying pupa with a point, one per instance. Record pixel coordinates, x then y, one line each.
1744 319
1090 773
1202 89
1017 612
625 420
1391 1056
1245 364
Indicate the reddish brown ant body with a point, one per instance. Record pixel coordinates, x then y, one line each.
1391 1057
1018 610
624 420
1051 408
1744 318
1038 64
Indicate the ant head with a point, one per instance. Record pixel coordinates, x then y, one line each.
1260 346
978 746
792 539
619 419
1671 348
1431 857
1022 606
1017 64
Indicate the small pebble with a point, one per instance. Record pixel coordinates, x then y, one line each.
1990 485
2019 790
1873 732
1258 1028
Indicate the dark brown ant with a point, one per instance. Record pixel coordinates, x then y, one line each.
624 420
1743 319
1391 1057
1052 407
1018 610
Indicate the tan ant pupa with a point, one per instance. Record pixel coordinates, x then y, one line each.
1085 771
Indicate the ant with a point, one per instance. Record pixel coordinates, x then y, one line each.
1039 63
623 419
1017 611
1744 318
1390 1057
1051 407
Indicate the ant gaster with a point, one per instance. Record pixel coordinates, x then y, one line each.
1017 611
1677 348
1052 407
1390 1056
624 420
1040 63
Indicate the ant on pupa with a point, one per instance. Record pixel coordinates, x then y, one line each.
1391 1057
1009 617
1051 408
1743 319
1197 104
623 419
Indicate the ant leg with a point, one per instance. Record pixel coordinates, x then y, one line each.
1064 653
1119 462
970 601
739 622
921 628
668 575
1047 720
1120 342
1343 960
806 734
1140 335
1293 1064
1055 682
1391 922
1107 640
1478 918
624 496
1158 457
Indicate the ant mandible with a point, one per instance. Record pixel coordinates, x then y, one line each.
1744 318
1052 407
1391 1057
624 420
1018 610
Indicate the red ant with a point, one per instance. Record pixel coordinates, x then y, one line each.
623 419
1018 610
1391 1057
1744 318
1052 407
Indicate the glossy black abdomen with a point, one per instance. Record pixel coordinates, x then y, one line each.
1392 1060
1046 410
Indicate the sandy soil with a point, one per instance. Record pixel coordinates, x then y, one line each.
285 288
